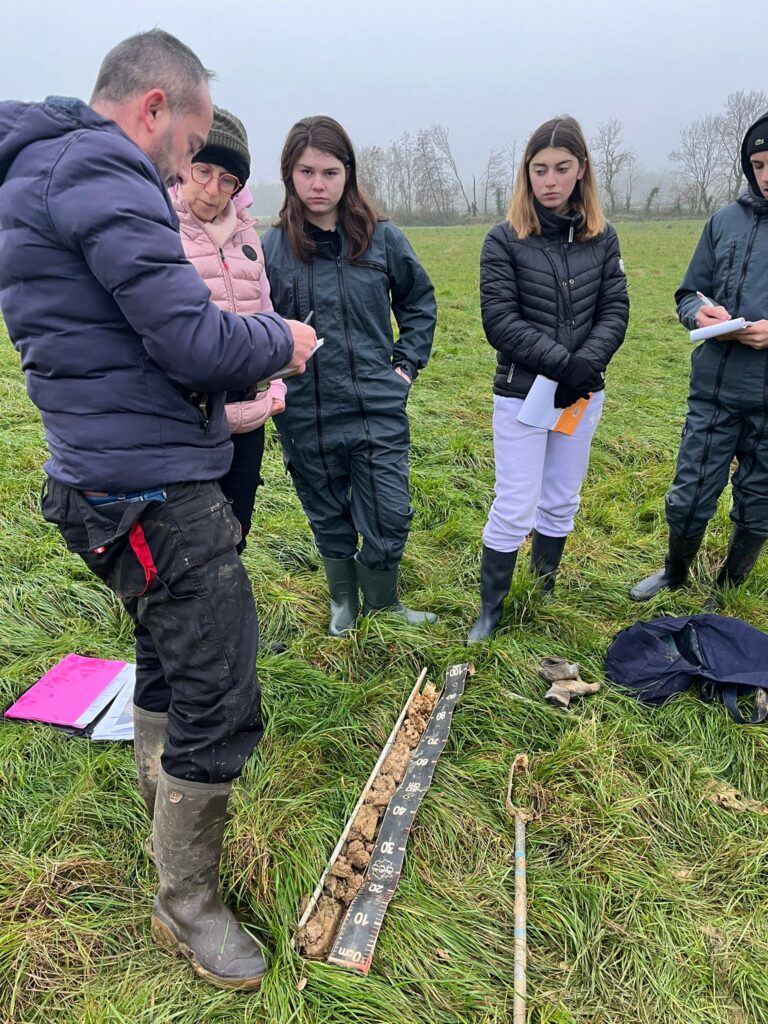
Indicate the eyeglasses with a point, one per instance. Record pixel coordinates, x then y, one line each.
228 183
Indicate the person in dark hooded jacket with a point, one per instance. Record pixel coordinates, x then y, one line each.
345 431
553 297
728 399
128 361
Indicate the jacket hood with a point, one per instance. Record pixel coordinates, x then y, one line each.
22 124
758 204
746 166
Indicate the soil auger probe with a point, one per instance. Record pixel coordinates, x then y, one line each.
521 817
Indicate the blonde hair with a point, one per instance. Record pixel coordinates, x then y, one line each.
559 133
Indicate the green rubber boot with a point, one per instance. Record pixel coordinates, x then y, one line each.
148 745
188 918
677 564
343 591
379 587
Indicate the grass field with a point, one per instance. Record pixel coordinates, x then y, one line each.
648 902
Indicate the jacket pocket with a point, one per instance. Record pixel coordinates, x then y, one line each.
727 267
372 265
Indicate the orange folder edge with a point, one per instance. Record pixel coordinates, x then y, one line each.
570 418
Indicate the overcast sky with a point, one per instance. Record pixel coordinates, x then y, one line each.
490 70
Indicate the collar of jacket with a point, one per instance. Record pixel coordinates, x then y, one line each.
190 223
756 203
557 225
328 244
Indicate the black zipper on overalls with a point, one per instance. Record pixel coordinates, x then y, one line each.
739 509
360 402
747 254
296 301
709 432
313 367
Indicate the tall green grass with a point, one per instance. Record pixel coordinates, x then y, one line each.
647 901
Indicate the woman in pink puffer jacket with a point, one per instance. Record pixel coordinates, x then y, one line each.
220 240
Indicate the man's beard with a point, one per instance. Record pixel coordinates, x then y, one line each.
160 154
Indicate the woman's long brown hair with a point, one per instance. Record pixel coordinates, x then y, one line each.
560 133
356 215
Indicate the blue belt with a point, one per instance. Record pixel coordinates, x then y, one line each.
158 494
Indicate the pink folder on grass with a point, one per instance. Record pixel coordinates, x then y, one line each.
72 693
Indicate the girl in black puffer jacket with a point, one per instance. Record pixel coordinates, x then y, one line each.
554 302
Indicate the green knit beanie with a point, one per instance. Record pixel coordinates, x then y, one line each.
226 145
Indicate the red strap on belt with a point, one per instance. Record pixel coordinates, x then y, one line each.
140 548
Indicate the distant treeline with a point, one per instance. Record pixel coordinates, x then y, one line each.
416 178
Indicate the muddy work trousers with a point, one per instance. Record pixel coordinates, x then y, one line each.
172 561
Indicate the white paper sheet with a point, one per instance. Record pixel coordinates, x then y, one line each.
117 723
722 327
538 409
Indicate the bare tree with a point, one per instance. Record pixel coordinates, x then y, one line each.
740 111
512 170
630 173
402 171
699 156
371 173
493 178
442 146
610 158
435 184
391 172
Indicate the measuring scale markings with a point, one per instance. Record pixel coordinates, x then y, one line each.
359 931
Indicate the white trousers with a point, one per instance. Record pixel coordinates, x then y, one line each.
539 474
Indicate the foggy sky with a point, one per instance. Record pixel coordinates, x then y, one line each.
489 70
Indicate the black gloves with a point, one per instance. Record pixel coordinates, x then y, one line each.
579 379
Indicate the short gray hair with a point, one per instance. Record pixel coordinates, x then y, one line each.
152 60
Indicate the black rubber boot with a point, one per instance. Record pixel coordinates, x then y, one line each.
188 918
546 553
496 571
744 549
343 590
379 587
680 555
148 745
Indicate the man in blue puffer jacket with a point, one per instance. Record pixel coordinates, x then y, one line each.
728 401
128 361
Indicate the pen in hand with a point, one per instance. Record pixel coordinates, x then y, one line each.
311 313
709 312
